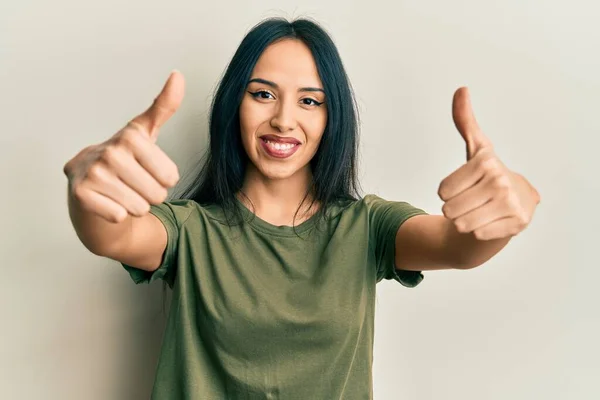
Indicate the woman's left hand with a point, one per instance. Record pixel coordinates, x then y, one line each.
483 196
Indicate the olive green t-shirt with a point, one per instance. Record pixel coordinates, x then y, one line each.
273 312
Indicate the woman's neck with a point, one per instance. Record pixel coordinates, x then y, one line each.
276 201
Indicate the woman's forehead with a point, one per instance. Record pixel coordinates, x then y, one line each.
288 62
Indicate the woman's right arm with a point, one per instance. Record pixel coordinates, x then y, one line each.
136 241
113 184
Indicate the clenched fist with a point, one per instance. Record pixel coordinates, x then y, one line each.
128 172
483 196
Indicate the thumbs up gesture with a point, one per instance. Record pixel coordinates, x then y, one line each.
483 196
128 172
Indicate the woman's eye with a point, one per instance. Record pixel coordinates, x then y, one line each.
261 94
311 102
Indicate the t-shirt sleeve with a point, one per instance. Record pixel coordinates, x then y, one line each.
172 215
385 218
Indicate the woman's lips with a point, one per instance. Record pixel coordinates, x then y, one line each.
280 139
280 148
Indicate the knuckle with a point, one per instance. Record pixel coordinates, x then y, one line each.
479 234
488 164
68 168
173 179
145 208
461 226
513 202
159 195
515 229
96 171
133 203
524 219
140 207
118 216
110 154
175 174
501 183
442 190
446 210
170 177
137 212
78 193
128 138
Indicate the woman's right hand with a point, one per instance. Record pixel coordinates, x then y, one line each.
128 172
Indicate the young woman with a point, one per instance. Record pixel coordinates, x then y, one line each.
272 255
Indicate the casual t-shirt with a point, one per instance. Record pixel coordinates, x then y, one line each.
273 312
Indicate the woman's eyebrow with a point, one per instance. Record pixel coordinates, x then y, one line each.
275 86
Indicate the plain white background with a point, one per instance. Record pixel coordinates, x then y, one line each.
523 326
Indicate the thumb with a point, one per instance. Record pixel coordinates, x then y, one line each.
466 124
164 106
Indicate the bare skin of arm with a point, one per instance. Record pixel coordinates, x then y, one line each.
136 241
431 242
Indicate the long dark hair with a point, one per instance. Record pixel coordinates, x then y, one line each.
334 166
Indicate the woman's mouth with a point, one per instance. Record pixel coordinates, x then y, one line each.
279 147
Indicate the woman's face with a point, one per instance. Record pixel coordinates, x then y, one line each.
283 112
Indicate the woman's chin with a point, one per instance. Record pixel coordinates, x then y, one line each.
278 172
270 169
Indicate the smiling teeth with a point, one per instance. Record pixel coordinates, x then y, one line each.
280 146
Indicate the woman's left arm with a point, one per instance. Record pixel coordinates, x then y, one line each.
486 204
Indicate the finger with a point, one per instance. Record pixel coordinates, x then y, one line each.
148 155
481 216
468 200
164 106
460 180
139 179
464 177
156 162
466 124
102 206
498 229
114 188
469 174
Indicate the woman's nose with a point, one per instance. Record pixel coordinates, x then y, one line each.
284 118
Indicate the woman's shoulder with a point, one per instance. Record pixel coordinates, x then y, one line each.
374 200
367 200
344 206
180 206
193 211
371 203
179 211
